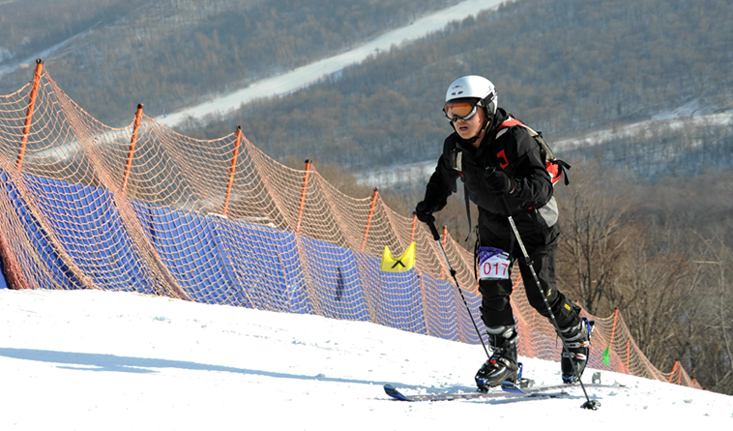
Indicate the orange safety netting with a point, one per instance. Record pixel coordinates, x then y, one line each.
142 208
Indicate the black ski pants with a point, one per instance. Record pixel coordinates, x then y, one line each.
541 246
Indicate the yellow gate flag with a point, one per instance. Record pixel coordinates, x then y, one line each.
401 263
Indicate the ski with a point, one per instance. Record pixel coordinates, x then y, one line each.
535 393
508 391
512 388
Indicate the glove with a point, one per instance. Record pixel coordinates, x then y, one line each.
424 212
497 182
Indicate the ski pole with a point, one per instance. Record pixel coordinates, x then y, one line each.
590 405
436 236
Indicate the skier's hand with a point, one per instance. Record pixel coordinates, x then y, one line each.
424 212
497 182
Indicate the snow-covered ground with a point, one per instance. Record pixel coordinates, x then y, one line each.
305 75
91 360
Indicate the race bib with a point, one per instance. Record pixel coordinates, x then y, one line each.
493 263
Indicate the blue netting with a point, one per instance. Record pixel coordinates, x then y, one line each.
86 223
335 279
222 261
56 274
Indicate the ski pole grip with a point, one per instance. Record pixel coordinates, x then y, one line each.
434 230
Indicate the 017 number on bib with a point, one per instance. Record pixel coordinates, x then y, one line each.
493 263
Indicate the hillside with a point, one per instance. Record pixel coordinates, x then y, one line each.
570 67
303 76
171 53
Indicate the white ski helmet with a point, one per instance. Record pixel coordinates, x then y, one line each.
473 86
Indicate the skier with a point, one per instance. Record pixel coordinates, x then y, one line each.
504 174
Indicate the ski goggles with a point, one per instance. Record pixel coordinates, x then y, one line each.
459 110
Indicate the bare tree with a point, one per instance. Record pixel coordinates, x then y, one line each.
592 242
711 355
658 288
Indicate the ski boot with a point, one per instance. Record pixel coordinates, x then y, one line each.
502 366
577 340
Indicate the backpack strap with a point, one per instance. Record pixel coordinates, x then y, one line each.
562 167
507 124
511 122
555 167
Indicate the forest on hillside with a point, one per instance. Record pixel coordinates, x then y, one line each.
564 67
169 54
30 26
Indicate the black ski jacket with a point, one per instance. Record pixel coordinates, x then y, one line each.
514 151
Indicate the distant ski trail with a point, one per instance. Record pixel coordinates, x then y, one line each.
305 75
28 61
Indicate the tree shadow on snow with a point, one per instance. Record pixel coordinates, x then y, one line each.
127 364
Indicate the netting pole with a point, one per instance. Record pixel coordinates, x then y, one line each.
29 112
613 329
628 355
369 220
131 152
232 169
674 368
302 196
445 244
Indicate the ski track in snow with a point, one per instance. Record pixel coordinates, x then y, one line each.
30 61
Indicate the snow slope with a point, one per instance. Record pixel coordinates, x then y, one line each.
305 75
91 360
